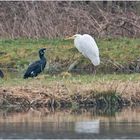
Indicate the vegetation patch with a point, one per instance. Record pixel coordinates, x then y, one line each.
117 55
56 87
65 93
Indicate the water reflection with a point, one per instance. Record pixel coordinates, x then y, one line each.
66 123
88 127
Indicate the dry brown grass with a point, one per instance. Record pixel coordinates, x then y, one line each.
62 93
57 19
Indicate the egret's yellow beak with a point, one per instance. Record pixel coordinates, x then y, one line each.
68 38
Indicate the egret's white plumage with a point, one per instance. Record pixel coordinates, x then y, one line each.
88 47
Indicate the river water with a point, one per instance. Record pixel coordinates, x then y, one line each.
68 123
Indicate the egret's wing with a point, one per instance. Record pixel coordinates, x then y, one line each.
89 49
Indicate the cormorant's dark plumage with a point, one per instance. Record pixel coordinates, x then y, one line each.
37 67
1 74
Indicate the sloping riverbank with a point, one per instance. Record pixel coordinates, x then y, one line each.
58 88
70 93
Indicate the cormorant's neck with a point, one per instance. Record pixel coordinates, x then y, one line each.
42 57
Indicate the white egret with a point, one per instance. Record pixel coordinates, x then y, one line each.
87 46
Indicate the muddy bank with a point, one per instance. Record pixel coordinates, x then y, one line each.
83 66
103 95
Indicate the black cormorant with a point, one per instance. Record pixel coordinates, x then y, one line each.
1 74
37 67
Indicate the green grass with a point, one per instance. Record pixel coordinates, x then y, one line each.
70 80
123 50
18 53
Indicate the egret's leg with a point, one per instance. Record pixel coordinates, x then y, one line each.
94 71
75 63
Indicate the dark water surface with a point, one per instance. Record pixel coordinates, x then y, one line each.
68 124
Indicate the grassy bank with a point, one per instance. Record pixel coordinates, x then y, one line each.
57 87
116 55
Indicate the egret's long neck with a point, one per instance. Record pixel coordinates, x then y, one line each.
76 41
78 36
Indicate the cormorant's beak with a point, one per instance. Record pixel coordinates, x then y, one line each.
44 49
68 38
